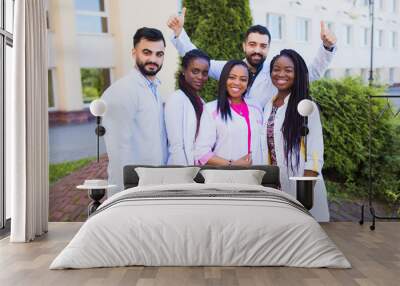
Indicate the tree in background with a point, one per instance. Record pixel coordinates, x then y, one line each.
217 27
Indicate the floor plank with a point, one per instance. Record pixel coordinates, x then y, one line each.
374 255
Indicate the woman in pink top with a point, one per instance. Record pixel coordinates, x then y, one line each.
230 126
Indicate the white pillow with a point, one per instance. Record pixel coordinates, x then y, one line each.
248 177
166 176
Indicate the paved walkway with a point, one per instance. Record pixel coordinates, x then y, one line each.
73 141
66 202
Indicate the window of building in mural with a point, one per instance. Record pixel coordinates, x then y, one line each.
364 75
303 29
348 35
391 75
380 39
365 37
90 5
394 6
378 75
91 16
275 26
50 81
380 4
330 26
393 40
94 82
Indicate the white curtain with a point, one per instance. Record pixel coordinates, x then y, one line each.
27 124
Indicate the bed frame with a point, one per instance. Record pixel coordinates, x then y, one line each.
270 179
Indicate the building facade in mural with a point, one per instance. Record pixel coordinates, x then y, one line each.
90 42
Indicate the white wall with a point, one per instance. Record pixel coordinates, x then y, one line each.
96 51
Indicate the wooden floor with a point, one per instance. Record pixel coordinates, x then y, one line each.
374 255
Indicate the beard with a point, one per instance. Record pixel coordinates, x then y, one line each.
142 68
255 62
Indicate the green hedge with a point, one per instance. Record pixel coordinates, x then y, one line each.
217 27
344 113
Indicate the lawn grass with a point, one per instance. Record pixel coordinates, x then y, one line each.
60 170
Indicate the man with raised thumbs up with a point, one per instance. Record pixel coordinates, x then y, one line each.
256 45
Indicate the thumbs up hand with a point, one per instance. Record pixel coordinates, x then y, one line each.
328 37
175 22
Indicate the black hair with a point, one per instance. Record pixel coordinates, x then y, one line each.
293 122
186 88
150 34
258 29
223 106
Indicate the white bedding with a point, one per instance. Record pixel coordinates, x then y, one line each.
182 231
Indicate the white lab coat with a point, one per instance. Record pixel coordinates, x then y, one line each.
315 157
262 89
181 124
135 129
229 139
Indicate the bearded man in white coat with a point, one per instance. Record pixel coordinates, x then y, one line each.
134 121
256 45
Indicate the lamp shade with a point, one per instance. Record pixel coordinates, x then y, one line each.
305 107
98 107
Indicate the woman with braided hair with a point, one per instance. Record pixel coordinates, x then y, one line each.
184 108
283 143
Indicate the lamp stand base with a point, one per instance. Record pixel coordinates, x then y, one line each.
96 195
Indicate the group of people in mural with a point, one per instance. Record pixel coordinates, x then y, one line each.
253 121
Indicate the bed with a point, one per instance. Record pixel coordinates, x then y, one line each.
197 224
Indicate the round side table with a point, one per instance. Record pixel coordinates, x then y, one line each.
95 193
305 190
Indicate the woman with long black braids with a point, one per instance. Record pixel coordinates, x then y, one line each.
283 144
183 109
